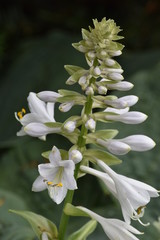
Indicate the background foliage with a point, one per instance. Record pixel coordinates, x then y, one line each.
35 43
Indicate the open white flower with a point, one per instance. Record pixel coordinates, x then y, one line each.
133 195
56 176
33 122
113 228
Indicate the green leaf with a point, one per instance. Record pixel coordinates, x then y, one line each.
39 224
72 68
108 158
102 134
65 92
71 210
84 231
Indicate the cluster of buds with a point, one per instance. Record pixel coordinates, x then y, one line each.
60 174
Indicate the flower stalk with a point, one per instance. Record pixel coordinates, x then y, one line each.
60 175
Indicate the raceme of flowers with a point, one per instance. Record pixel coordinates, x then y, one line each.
60 174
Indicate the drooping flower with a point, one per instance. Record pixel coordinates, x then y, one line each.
133 195
34 122
113 228
56 176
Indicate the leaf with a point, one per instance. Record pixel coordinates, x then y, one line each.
65 92
108 158
84 231
71 210
72 68
102 134
39 224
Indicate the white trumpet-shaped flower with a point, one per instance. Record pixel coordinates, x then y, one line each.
133 195
139 143
34 122
113 228
56 176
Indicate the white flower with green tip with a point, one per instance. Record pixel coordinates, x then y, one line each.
115 229
34 122
56 176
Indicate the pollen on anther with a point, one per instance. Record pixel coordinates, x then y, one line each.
21 113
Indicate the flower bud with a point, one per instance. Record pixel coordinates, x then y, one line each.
102 90
115 146
48 96
75 156
97 71
89 91
70 126
115 76
90 124
91 55
82 80
115 53
109 62
129 117
139 143
121 86
65 107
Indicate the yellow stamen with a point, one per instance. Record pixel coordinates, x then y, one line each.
50 183
139 210
60 185
21 113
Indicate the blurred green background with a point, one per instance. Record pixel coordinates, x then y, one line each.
35 43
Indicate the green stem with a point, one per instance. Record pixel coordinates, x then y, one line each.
81 143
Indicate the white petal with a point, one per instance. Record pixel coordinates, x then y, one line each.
57 193
48 96
55 156
39 129
29 118
39 185
129 117
139 143
48 171
117 111
68 174
50 110
21 132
